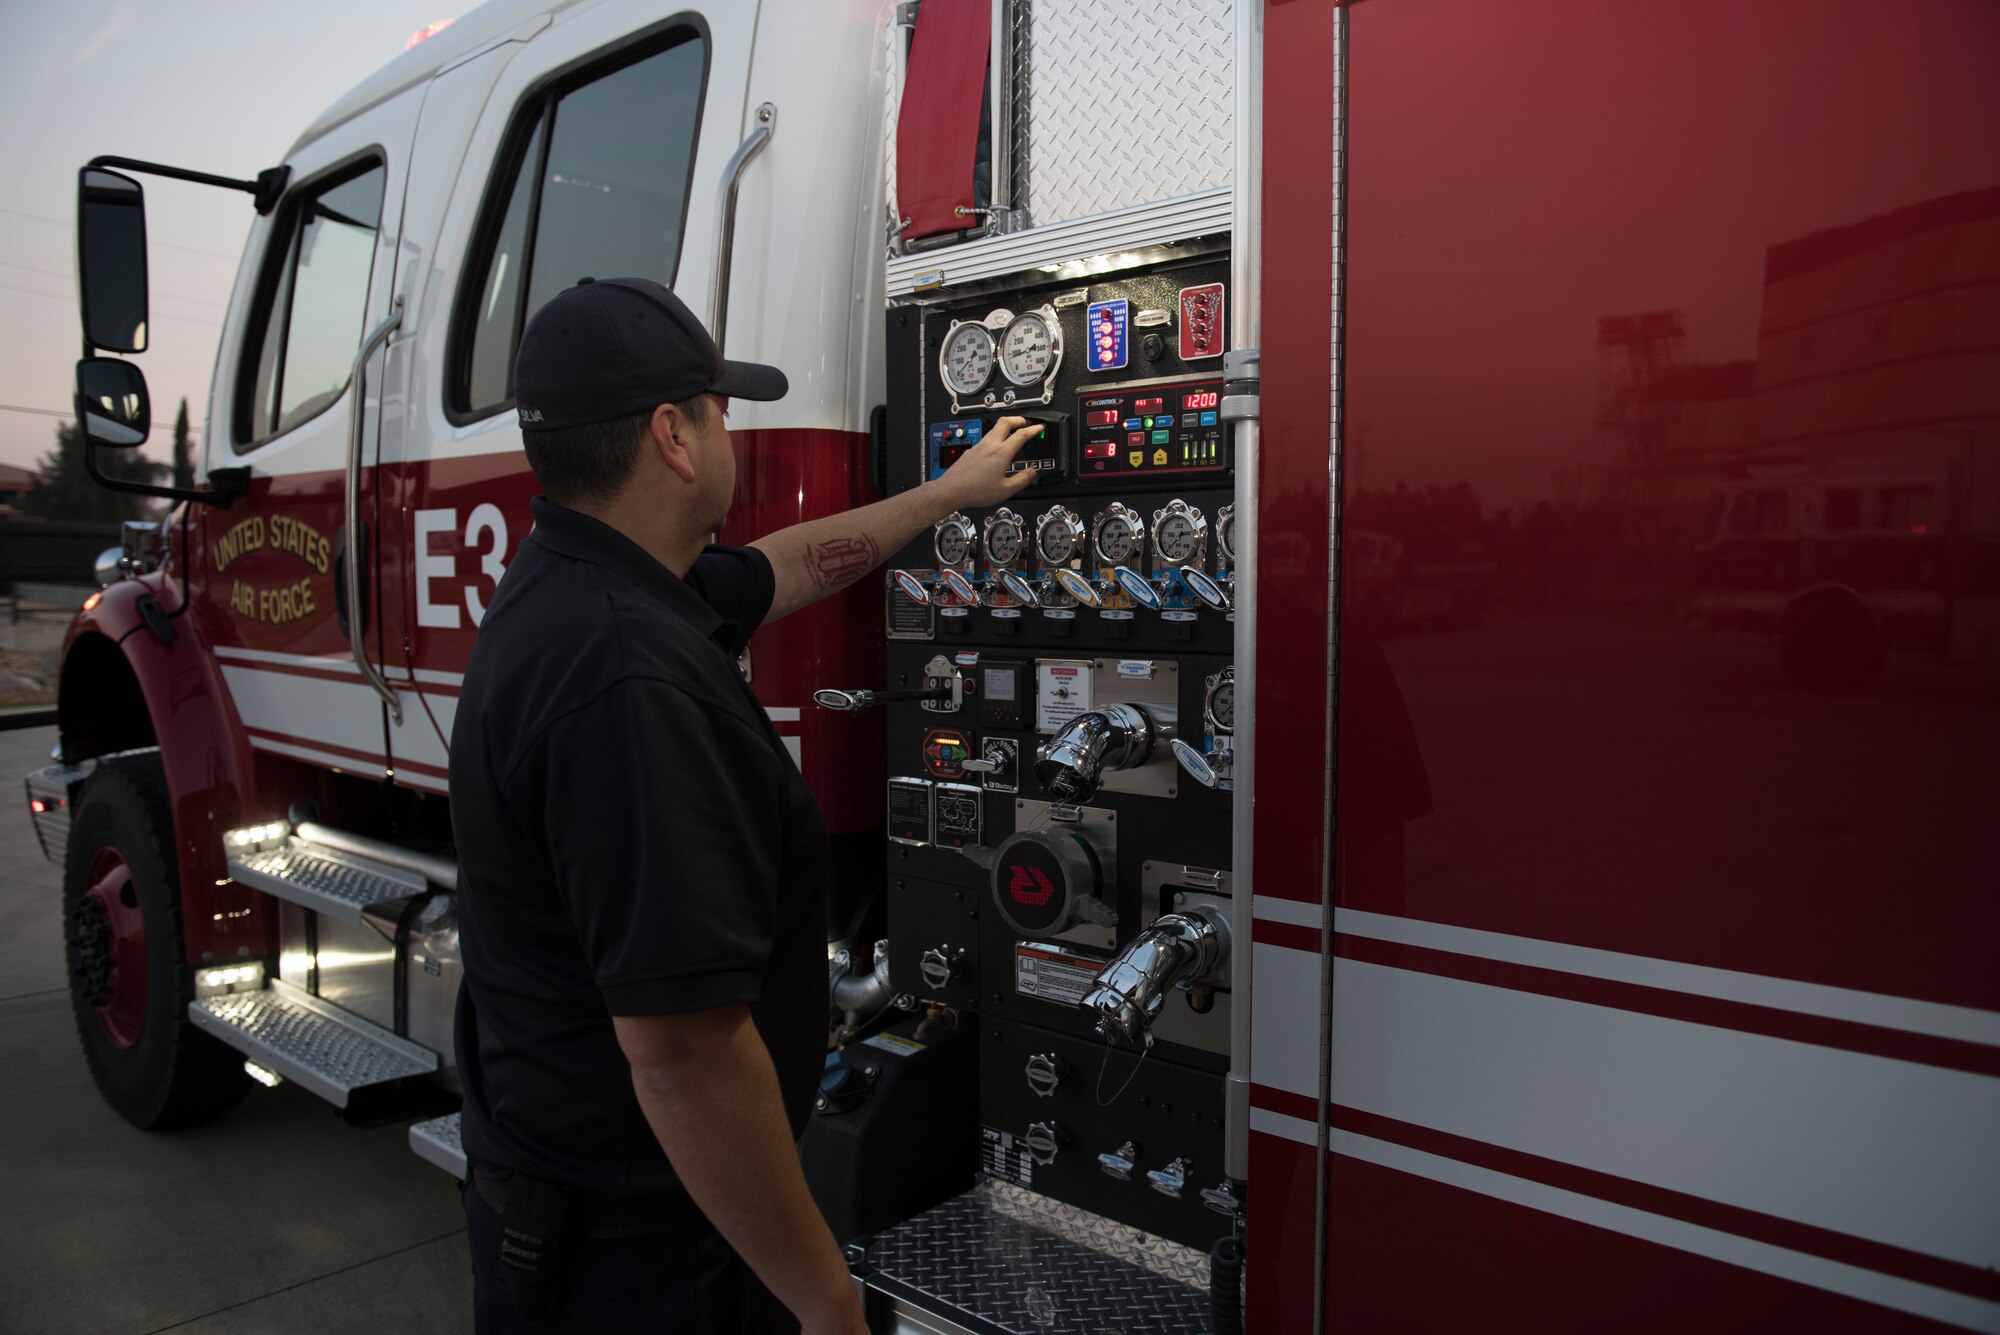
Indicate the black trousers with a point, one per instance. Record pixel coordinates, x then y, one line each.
683 1283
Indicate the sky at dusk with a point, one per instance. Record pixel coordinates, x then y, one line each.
222 86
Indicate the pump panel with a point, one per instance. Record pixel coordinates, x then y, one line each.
1045 824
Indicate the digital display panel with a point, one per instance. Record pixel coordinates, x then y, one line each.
1135 433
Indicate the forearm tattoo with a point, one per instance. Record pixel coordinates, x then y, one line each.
838 562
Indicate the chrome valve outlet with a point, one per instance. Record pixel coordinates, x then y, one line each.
1074 761
1178 950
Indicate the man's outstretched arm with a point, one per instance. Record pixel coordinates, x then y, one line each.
824 556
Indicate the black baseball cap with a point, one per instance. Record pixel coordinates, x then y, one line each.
616 347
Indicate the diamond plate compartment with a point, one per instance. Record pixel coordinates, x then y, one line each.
1115 106
339 885
1029 1265
310 1041
437 1142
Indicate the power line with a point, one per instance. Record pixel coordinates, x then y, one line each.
71 417
64 296
66 226
57 273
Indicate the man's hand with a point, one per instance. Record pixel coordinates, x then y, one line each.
980 477
705 1082
823 556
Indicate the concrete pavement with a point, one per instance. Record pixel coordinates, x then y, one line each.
276 1217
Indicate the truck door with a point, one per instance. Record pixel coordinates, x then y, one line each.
597 153
291 395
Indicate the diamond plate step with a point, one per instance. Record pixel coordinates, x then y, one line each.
338 884
310 1041
437 1142
1027 1265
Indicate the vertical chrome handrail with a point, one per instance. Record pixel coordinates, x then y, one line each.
725 220
1245 275
357 628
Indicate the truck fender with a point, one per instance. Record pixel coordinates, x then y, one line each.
122 688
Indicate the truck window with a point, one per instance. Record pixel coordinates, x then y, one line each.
597 188
1904 509
1758 512
315 295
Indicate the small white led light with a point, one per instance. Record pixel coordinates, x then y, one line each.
263 1075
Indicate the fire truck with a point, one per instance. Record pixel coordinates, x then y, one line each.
1209 953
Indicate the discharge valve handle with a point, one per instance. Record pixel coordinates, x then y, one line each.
849 701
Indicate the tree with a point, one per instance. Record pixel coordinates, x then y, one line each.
65 490
183 449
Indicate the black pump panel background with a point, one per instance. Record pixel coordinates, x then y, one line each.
917 393
939 898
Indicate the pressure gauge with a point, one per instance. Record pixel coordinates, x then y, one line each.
966 360
1179 534
1225 533
1058 536
1029 348
952 540
1003 537
1220 705
1119 535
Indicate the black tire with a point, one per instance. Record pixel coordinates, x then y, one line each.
170 1074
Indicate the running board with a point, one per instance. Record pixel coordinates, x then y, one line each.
1004 1259
315 1043
436 1142
327 880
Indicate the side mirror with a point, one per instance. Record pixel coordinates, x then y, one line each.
111 259
112 404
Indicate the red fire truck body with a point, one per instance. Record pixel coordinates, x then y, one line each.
1598 971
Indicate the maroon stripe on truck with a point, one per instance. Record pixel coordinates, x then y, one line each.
1408 1253
1881 1257
1291 935
1820 1030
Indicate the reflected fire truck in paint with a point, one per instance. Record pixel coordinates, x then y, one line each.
1296 869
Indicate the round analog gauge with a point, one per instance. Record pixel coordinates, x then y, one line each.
952 540
1056 537
1003 540
967 359
1028 348
1176 538
1117 540
1222 705
1225 531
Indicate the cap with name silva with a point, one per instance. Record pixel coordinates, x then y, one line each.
616 347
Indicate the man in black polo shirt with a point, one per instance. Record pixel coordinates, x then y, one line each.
642 869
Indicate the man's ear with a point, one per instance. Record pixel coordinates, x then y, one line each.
671 434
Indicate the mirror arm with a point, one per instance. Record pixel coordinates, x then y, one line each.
266 189
226 484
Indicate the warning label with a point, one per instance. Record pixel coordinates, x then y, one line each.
893 1043
1053 975
1005 1155
1062 692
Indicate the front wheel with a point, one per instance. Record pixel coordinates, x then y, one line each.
129 984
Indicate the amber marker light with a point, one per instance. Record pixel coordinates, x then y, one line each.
427 32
